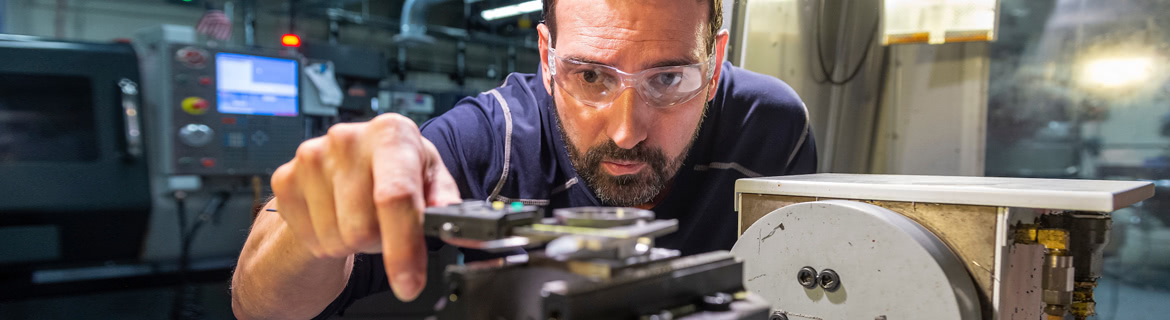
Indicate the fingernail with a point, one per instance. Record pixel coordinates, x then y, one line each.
407 286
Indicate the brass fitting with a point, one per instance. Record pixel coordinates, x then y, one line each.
1056 240
1026 233
1083 305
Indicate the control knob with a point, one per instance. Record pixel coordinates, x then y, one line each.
196 135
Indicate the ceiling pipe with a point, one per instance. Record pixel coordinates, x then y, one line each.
354 18
413 28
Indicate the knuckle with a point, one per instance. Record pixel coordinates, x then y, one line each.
281 177
359 237
343 132
394 122
311 150
393 193
341 129
387 120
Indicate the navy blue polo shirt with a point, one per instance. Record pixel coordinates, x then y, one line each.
505 145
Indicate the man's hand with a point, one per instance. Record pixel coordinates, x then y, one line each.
362 188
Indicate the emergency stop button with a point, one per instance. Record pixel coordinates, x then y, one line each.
195 105
192 57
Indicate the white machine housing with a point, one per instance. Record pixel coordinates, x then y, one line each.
907 247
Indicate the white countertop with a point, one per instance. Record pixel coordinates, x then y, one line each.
1060 194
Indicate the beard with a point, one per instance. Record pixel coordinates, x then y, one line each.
625 190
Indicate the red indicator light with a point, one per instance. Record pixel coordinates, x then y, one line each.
290 40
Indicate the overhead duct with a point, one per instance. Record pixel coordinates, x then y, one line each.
413 30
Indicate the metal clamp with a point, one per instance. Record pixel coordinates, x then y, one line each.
129 93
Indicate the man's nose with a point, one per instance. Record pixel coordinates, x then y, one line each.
626 120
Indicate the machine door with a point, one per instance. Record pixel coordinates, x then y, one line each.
69 137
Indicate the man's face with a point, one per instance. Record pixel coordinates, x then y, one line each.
629 150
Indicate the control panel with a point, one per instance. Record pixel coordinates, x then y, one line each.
232 112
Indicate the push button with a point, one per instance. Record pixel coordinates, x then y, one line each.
235 140
195 105
259 138
192 57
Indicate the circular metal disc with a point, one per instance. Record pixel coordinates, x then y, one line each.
602 217
888 265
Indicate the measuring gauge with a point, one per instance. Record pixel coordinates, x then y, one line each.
601 217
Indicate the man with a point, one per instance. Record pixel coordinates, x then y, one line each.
632 106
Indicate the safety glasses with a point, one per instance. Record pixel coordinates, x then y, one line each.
597 85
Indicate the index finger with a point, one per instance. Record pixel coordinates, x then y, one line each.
398 173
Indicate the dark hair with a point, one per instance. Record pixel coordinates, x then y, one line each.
714 19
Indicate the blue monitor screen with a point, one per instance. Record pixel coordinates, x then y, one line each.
256 85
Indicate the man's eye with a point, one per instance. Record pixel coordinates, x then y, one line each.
590 76
667 79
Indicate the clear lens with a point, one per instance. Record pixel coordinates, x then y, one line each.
668 86
596 85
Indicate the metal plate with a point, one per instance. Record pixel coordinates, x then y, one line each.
602 217
888 265
1080 195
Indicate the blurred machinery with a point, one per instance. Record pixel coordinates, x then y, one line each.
842 246
357 72
219 111
415 105
73 157
222 119
597 263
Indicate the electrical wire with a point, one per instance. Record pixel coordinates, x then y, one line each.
826 72
185 305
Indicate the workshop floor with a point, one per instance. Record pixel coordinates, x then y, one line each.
1115 301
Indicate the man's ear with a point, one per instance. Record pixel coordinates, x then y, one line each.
720 50
542 31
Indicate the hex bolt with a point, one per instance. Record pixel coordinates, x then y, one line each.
807 277
829 280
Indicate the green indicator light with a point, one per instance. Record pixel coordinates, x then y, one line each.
517 206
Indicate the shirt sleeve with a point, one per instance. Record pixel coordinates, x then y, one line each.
368 277
466 139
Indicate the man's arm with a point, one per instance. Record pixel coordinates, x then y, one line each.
279 278
360 188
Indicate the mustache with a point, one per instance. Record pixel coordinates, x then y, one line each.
640 153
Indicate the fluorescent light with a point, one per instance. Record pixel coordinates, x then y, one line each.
512 10
1117 72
